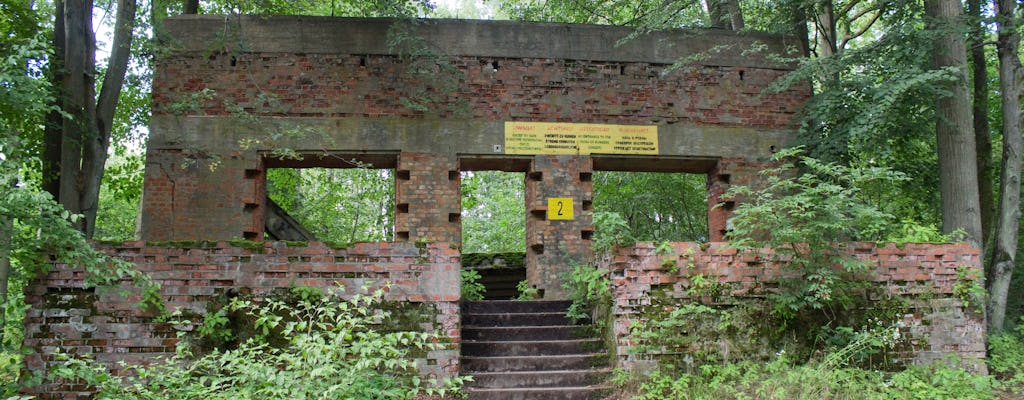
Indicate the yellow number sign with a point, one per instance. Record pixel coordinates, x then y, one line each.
559 208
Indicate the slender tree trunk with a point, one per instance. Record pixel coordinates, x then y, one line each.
958 168
79 84
95 155
1005 244
54 119
982 137
6 231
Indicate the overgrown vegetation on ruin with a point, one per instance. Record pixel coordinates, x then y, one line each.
304 344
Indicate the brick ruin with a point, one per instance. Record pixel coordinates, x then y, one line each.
233 90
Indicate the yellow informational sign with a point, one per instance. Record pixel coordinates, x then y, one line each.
559 208
582 139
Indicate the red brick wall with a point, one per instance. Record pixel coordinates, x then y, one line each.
186 196
496 89
427 201
111 328
552 244
728 172
937 323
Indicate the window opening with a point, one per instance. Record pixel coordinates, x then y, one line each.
336 205
650 206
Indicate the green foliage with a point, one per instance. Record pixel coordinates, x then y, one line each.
493 212
526 292
668 257
341 8
471 289
1006 359
344 205
805 219
334 350
693 334
120 196
969 290
610 230
588 287
784 380
833 374
649 14
655 206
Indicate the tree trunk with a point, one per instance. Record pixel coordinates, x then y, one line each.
54 119
958 168
798 18
95 154
85 136
6 231
191 7
725 14
826 25
1005 244
982 137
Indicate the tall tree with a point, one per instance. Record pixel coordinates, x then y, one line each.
1008 219
982 137
84 133
958 168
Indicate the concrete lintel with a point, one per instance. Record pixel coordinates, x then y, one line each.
499 39
456 138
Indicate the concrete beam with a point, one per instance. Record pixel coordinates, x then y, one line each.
455 138
476 38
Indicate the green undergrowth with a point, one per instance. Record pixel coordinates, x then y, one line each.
784 379
297 343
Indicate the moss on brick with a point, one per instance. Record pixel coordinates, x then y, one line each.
494 260
183 243
247 244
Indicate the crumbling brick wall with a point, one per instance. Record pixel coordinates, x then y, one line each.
930 278
65 316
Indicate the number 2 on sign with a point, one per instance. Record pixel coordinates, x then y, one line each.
560 208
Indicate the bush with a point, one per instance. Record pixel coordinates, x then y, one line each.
335 350
1006 358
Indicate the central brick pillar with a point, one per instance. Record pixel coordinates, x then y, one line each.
427 203
553 243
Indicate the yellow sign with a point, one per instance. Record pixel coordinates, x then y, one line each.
559 208
581 139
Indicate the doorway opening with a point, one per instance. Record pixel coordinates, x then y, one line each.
493 228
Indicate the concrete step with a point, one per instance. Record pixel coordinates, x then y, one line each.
514 306
533 363
539 379
562 393
501 294
475 348
506 319
526 333
492 277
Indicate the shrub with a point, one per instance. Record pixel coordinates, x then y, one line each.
471 288
335 350
587 287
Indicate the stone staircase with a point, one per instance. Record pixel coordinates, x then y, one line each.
529 350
